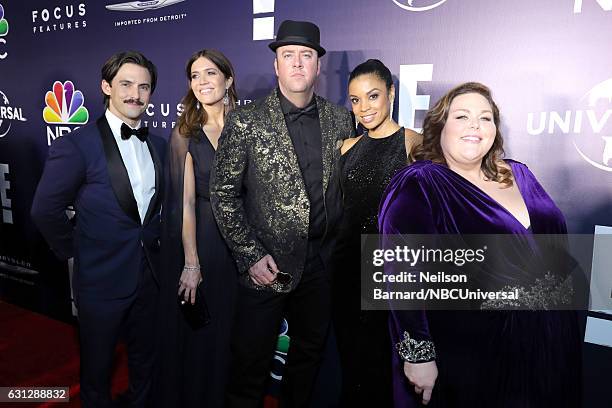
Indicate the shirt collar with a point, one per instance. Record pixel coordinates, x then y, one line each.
114 122
287 106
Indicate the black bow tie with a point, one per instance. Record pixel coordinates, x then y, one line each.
127 132
310 111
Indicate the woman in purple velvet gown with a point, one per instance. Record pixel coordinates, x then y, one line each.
461 185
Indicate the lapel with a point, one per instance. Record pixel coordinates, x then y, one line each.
328 141
279 128
281 133
158 171
120 181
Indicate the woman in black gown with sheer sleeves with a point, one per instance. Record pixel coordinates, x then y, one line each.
194 362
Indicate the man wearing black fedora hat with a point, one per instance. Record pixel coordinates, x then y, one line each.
277 202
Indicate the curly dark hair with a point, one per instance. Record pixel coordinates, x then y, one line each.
435 120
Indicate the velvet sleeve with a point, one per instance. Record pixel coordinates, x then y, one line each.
405 209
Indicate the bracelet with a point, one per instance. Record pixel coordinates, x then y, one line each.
191 268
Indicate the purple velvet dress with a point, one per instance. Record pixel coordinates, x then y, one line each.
501 359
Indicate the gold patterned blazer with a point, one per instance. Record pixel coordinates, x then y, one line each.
258 193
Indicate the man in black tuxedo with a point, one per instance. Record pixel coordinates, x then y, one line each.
111 172
277 202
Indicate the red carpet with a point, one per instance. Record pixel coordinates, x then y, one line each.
38 351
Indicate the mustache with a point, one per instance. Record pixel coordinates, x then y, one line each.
132 100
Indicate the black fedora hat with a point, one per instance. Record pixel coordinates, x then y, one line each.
298 33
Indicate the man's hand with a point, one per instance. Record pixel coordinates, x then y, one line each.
423 377
264 271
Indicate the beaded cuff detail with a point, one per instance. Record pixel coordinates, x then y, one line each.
416 351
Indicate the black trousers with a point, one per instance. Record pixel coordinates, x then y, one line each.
258 318
101 323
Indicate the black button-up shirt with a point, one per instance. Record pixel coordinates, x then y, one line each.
305 132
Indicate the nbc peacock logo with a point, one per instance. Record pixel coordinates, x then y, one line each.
4 29
4 25
280 354
64 106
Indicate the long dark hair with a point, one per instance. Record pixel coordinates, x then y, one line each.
192 119
435 120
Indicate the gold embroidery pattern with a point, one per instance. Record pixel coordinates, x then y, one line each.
257 190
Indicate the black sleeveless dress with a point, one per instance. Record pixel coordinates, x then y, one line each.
362 336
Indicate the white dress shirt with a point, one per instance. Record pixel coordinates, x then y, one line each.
138 163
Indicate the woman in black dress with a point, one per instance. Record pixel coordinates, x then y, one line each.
194 361
367 164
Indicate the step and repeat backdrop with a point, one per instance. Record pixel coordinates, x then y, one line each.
548 62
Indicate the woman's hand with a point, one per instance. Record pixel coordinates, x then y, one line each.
423 377
189 281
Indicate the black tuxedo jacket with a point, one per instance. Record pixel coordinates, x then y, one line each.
85 169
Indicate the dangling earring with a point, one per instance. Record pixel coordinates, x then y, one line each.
226 98
198 105
391 110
